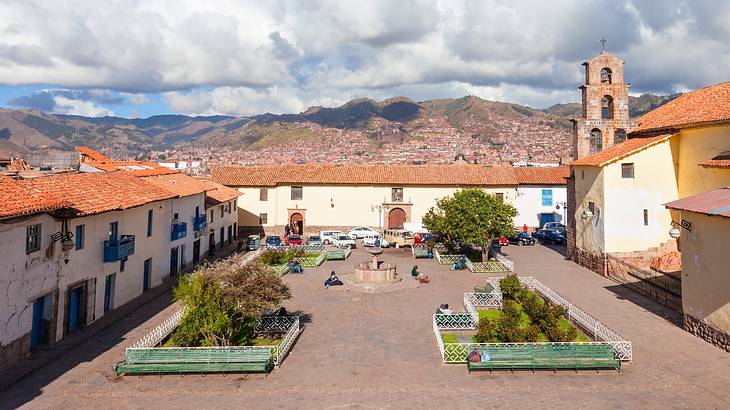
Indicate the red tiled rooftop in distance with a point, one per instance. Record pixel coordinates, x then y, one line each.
220 193
713 203
137 168
178 184
93 155
542 175
16 199
89 193
706 105
621 150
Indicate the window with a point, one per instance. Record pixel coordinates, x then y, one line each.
396 194
146 275
122 265
79 237
197 211
606 76
149 223
263 194
582 174
547 197
596 140
33 238
592 207
499 196
223 209
211 215
263 219
627 170
646 217
296 193
619 136
235 203
113 231
606 107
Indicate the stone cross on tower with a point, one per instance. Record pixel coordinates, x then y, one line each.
603 44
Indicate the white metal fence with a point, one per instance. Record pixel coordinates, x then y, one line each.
457 352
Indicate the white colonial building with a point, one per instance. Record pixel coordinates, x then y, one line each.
317 197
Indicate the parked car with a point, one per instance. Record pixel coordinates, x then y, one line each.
314 240
521 238
557 236
344 241
328 237
553 225
370 241
253 242
361 232
502 240
399 237
273 241
294 240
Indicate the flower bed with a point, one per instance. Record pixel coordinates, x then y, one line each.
454 352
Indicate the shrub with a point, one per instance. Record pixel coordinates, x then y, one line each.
532 333
511 287
514 335
273 258
488 331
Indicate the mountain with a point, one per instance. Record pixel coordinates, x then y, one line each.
487 130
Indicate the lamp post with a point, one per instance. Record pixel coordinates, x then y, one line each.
380 208
564 205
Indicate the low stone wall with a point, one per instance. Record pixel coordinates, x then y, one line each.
14 352
708 333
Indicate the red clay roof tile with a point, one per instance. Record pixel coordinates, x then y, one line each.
177 184
17 200
706 105
621 150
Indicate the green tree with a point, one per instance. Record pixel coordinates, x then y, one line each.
223 299
471 216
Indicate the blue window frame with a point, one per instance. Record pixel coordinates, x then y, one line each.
79 237
113 231
547 197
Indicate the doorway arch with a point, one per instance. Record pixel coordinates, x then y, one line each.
297 220
396 218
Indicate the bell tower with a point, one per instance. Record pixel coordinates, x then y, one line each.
604 119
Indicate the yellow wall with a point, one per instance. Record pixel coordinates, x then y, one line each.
697 145
705 269
589 188
654 184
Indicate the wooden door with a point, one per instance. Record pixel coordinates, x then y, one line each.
396 218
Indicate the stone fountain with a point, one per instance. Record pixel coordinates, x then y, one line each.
376 271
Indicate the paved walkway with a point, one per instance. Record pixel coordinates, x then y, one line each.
378 351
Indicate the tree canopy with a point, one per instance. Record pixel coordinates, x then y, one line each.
471 216
222 300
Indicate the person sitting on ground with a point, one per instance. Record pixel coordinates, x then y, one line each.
333 280
295 266
415 274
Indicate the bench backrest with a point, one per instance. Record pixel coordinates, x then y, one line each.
198 355
573 351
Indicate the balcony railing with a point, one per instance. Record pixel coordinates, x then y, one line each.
200 223
179 230
116 250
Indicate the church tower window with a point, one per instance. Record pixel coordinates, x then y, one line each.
596 140
619 136
606 75
607 107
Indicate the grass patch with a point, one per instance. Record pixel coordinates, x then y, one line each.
449 338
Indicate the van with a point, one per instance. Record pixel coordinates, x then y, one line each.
328 237
398 237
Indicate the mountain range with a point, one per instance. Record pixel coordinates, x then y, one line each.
392 121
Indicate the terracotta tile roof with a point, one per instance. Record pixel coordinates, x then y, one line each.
138 168
713 203
542 175
177 184
89 193
720 161
621 150
220 193
17 200
706 105
92 154
668 263
448 175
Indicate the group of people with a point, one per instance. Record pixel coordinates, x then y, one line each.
291 229
420 277
333 280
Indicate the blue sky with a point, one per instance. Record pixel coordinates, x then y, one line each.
137 58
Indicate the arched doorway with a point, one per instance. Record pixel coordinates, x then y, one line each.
396 218
297 220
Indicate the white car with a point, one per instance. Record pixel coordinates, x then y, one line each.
370 241
344 241
328 237
361 232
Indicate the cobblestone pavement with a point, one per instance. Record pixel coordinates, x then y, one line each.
361 350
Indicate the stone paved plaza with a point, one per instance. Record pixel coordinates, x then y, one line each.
378 350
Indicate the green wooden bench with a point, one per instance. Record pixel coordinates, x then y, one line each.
420 253
196 360
547 357
333 254
488 288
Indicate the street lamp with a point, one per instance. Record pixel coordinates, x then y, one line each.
380 208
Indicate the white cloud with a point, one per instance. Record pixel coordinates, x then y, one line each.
80 107
248 57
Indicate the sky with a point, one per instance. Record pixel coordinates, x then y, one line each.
132 58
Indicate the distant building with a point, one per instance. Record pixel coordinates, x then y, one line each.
321 197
